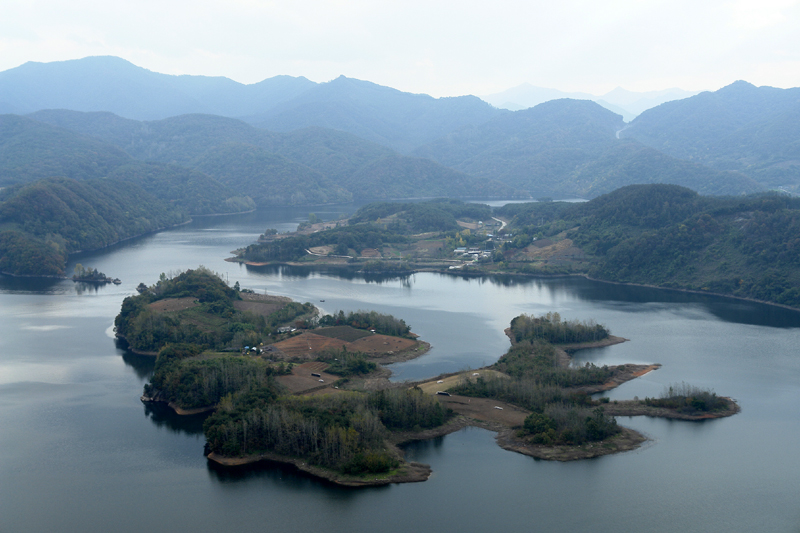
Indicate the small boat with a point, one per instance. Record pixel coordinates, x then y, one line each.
322 300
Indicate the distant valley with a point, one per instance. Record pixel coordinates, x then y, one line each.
204 145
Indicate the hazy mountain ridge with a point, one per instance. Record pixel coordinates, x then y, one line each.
569 148
629 104
31 150
331 166
379 114
755 130
107 83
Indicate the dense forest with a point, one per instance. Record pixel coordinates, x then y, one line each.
189 317
670 236
209 318
380 323
44 221
344 432
561 413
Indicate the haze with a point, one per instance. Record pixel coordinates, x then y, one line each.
449 48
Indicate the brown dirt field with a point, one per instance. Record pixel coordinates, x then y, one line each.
321 250
308 345
448 382
173 304
428 246
371 253
264 298
259 308
484 409
381 344
301 380
535 252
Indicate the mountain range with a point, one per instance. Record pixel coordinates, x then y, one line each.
290 140
629 104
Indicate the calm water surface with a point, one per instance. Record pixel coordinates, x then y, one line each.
80 452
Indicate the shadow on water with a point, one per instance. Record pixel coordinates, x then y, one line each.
165 417
344 273
31 285
142 365
287 476
607 294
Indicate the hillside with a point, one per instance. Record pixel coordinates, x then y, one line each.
42 222
380 114
269 179
383 115
30 150
115 85
311 165
754 130
192 191
670 236
569 148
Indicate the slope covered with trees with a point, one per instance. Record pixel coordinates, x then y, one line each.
32 150
309 166
42 222
754 130
569 148
670 236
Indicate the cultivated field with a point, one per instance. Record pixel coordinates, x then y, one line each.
309 345
260 304
301 380
173 304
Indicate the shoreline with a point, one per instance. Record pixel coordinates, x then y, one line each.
479 412
92 250
518 274
406 473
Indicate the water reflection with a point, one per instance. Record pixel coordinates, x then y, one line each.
30 285
286 476
142 365
566 288
163 416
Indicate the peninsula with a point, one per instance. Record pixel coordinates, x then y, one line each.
656 235
283 384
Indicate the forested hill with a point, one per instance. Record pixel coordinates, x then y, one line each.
42 222
380 114
740 127
308 166
672 237
569 148
32 150
383 115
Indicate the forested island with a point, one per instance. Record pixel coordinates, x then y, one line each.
284 384
659 235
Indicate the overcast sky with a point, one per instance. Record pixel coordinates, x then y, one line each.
442 48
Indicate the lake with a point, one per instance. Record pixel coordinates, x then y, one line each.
80 452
